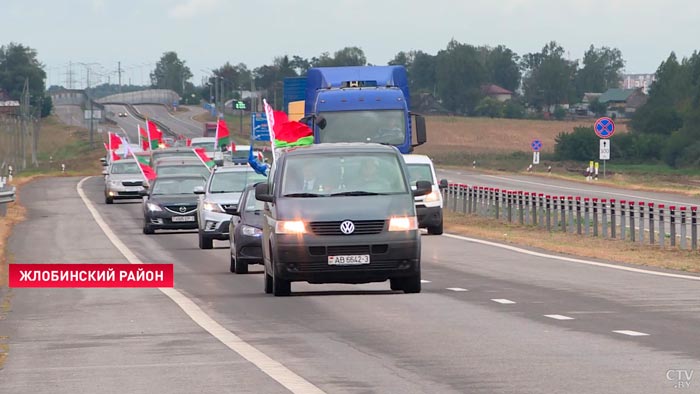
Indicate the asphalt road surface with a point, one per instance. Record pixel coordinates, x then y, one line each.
180 123
489 319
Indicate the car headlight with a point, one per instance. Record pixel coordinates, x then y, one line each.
212 207
290 227
153 207
433 196
115 183
403 223
250 231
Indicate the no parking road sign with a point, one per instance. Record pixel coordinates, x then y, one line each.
536 145
604 127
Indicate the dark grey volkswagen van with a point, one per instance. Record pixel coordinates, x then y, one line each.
340 213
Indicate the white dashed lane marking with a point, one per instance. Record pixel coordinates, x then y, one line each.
456 289
502 301
631 333
559 317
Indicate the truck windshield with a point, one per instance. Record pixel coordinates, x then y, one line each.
380 126
343 174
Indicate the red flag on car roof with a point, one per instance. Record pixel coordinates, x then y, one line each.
206 160
146 170
143 138
222 134
155 136
114 141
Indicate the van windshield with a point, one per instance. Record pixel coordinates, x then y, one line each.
420 172
342 174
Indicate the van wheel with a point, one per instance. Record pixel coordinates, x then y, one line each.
281 287
435 230
268 284
204 242
395 284
412 284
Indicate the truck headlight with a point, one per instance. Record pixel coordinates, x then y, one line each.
403 223
153 207
212 207
251 231
433 196
290 227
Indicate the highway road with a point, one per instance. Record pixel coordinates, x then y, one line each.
489 320
127 124
180 123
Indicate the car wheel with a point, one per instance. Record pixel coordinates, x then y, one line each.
241 267
109 200
268 283
232 267
395 284
411 284
435 230
148 229
204 242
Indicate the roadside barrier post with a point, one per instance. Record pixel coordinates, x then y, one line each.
540 197
595 216
455 191
578 215
623 225
534 200
633 228
497 193
672 215
683 229
694 228
587 215
446 195
662 227
472 202
570 201
548 211
604 216
562 212
641 222
520 207
613 219
489 201
510 206
526 207
651 223
479 200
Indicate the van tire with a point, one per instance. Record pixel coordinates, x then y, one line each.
268 284
281 287
435 230
395 284
412 284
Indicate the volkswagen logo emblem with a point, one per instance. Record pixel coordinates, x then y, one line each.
182 209
347 227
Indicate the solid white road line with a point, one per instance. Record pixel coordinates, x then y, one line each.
272 368
559 317
456 289
572 260
632 333
502 301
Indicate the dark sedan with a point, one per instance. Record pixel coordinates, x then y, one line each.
246 232
171 204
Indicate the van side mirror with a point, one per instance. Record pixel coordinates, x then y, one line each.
421 136
143 192
198 190
219 162
262 192
443 184
105 172
422 188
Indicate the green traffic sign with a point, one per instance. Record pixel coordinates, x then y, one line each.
240 105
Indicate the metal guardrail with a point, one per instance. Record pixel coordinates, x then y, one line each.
7 195
635 221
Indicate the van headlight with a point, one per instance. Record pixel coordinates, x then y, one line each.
212 207
290 227
403 223
251 231
433 196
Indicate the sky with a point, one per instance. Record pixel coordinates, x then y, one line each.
97 34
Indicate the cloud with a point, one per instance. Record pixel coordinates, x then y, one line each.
191 8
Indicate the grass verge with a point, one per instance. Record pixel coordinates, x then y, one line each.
572 244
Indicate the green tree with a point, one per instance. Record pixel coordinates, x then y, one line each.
459 74
171 73
601 70
350 56
598 108
581 145
503 69
17 64
549 77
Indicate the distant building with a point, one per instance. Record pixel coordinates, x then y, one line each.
623 102
496 92
634 81
8 106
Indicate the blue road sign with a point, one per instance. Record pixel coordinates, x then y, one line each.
536 145
604 127
259 129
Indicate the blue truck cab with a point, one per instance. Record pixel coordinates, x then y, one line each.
356 104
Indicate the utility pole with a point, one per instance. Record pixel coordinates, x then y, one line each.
119 72
216 94
87 93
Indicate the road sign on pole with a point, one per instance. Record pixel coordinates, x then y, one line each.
536 145
260 131
604 149
535 157
604 127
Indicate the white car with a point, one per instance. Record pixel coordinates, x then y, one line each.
207 143
428 207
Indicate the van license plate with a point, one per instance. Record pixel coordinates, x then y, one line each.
183 219
358 259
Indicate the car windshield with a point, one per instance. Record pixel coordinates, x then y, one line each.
420 172
182 153
233 181
208 146
343 174
382 126
183 169
176 186
125 168
252 204
239 154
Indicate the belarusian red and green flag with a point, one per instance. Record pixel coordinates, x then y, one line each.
143 138
146 170
285 133
206 160
155 136
222 135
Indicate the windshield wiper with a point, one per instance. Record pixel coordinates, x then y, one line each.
357 193
304 195
222 191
